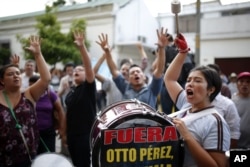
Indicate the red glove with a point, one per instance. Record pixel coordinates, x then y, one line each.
181 43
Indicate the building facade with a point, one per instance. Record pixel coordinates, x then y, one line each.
224 33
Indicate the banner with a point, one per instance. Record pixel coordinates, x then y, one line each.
154 146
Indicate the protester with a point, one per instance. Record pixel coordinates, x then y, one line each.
46 105
208 137
17 111
225 91
66 82
171 50
232 85
242 101
135 87
81 107
64 87
225 107
112 92
55 78
29 70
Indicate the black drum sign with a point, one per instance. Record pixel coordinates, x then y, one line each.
132 134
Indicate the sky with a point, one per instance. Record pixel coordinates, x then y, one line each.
15 7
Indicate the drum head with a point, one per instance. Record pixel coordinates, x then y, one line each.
128 115
51 160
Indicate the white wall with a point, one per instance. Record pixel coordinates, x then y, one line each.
221 36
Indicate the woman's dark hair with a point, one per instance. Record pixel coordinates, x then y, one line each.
4 68
213 79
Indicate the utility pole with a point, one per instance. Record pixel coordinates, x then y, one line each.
197 38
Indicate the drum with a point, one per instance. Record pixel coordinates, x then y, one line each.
51 160
129 116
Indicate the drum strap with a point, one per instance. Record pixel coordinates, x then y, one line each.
191 117
18 126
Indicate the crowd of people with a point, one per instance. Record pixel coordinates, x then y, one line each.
30 101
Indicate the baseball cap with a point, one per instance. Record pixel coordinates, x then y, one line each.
243 74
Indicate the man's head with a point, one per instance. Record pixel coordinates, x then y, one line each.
233 77
29 67
79 74
69 68
125 70
136 76
243 84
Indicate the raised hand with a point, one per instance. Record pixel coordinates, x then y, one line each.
181 43
182 128
34 47
79 38
15 59
162 38
103 42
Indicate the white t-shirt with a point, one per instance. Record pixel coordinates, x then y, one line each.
210 130
25 81
224 106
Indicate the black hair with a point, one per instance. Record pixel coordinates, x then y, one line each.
125 61
4 68
33 78
68 65
134 65
216 67
213 79
170 37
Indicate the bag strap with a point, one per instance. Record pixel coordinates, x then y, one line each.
18 126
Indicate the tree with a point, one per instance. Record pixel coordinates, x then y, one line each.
56 46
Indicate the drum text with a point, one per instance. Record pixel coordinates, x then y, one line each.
140 135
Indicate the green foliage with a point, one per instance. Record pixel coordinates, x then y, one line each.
56 46
4 55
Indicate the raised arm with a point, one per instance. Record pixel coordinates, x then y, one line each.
62 120
160 60
38 88
144 57
96 68
99 63
79 41
103 42
174 70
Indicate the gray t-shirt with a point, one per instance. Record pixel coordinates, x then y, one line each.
243 106
112 92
